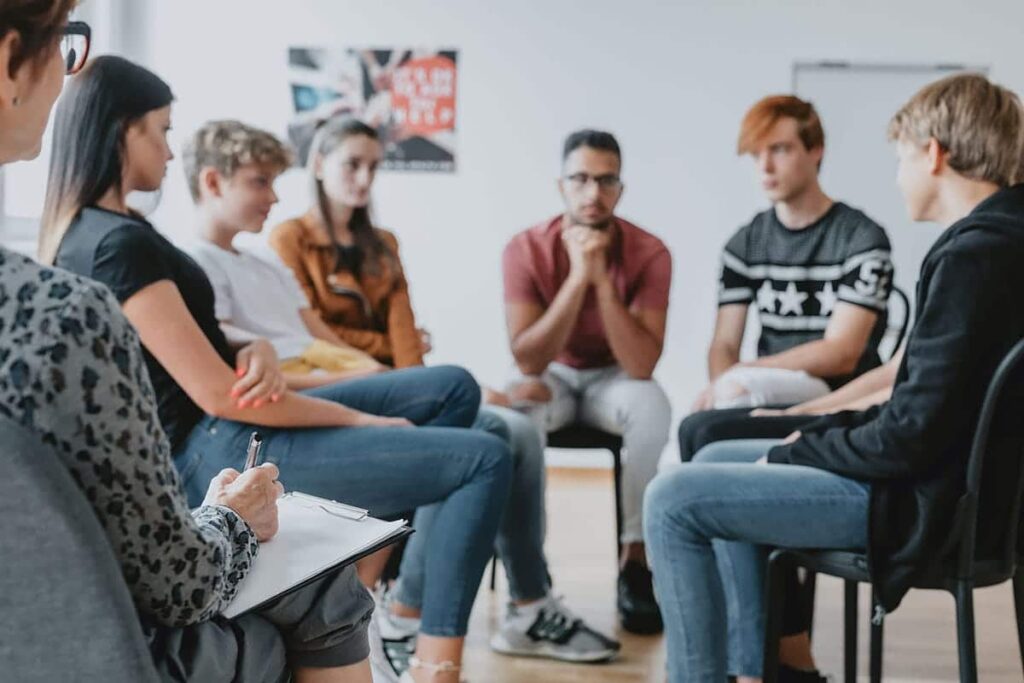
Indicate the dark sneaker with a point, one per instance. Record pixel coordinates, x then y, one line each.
788 674
549 629
637 608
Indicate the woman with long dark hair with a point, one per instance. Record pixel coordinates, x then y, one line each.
73 373
110 140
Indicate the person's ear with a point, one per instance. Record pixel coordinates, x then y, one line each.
9 44
210 182
936 156
817 154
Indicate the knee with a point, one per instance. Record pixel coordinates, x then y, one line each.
648 408
689 430
719 451
459 382
701 429
495 458
488 421
664 498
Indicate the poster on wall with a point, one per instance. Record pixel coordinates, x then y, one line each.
407 94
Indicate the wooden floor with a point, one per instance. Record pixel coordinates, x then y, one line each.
920 637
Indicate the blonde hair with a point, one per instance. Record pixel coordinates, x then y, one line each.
978 123
227 146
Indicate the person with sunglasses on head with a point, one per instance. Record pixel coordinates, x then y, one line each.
586 302
72 372
352 441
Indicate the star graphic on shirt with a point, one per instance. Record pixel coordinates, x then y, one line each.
766 297
827 298
791 301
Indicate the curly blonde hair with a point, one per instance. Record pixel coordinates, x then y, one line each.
229 145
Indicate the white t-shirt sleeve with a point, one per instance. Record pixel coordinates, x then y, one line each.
223 297
291 285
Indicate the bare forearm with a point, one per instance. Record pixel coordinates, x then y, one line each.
720 359
535 347
822 358
634 347
293 410
865 391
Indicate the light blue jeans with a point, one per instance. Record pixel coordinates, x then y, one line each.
389 470
707 525
520 541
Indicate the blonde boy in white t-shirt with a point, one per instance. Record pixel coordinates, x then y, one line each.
231 170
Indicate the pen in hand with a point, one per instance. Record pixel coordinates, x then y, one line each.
252 453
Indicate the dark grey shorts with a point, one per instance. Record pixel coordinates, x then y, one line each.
321 625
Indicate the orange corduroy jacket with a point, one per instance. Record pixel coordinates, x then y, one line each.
372 312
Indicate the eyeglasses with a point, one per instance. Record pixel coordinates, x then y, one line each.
605 183
74 46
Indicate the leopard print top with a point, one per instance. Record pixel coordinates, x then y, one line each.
72 370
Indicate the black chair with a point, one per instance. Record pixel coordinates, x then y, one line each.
958 571
579 437
897 330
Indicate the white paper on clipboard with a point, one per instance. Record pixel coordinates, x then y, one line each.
314 535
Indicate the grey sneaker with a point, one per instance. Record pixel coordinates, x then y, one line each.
548 629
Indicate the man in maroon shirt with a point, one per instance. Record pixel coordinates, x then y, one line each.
586 300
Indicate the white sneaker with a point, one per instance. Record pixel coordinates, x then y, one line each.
392 642
547 628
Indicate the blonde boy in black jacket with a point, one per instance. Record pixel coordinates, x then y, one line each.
885 479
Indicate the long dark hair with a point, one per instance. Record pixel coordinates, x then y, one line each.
92 117
371 250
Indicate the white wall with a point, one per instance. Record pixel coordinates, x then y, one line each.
672 80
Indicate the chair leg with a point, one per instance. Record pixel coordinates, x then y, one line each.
778 565
877 645
617 463
965 632
1018 603
494 572
810 588
850 632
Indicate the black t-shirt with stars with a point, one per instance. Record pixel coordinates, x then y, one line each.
796 277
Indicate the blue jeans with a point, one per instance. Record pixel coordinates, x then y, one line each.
389 471
706 525
520 542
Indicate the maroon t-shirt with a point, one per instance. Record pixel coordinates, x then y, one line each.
536 264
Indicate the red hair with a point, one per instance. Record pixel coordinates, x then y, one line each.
766 113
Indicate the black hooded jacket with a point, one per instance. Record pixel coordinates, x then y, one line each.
913 450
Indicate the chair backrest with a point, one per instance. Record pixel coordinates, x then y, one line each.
65 611
1005 384
898 318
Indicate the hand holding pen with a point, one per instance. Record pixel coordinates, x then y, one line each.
251 494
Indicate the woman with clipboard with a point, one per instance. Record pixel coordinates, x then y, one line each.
72 372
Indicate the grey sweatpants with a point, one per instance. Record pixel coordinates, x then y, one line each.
320 625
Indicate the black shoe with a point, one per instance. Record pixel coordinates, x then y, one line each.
637 608
788 674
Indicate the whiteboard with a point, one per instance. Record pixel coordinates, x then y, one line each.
855 103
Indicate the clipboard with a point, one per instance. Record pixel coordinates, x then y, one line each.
316 536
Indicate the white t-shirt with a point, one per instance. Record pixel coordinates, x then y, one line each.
256 298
